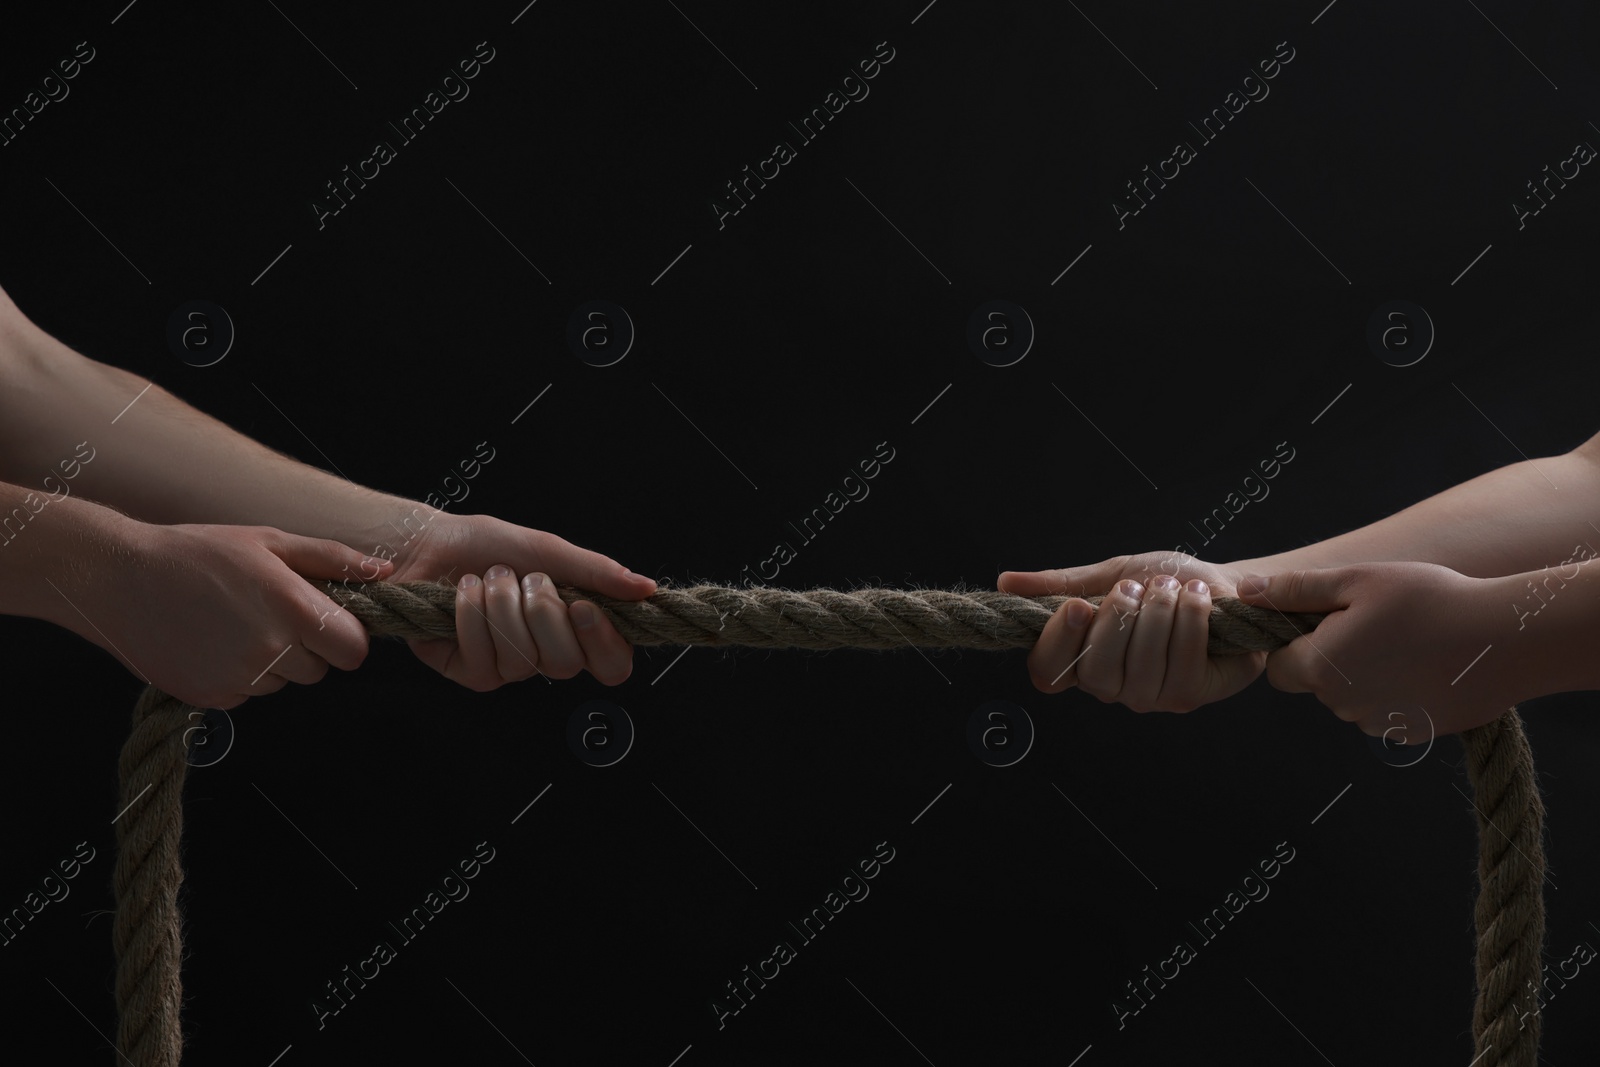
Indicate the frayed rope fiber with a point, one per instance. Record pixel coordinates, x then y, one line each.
147 934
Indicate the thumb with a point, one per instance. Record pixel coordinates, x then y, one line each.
1075 581
1312 591
566 562
317 557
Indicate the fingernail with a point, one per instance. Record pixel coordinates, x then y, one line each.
1079 613
1252 584
499 570
1165 581
1132 589
469 581
583 615
1198 587
532 582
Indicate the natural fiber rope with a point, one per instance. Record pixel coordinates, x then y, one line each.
148 936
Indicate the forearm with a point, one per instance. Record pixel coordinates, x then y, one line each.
1517 518
54 549
1551 628
161 460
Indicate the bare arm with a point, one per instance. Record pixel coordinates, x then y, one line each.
159 459
1522 517
210 512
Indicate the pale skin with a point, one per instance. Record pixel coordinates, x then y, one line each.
1500 562
185 549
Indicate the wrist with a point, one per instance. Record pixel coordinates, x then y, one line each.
1547 623
79 554
395 528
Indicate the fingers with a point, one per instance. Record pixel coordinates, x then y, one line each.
1187 663
507 631
474 662
1302 667
1306 590
317 557
515 655
297 665
337 637
1100 672
590 570
1090 579
607 655
1051 662
560 655
1145 665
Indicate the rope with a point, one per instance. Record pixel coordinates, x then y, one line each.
148 938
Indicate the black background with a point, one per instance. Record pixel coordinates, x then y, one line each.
797 337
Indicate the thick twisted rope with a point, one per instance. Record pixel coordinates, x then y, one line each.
147 933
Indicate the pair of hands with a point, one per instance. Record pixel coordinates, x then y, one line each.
248 623
1386 657
216 614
